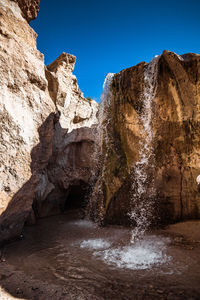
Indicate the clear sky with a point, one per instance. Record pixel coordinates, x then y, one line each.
111 35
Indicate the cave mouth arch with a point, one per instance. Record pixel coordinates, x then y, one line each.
59 201
77 196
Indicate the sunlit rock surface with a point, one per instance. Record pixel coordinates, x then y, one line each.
175 125
66 180
34 124
25 105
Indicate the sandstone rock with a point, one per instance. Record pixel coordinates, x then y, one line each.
68 174
33 133
178 155
75 110
29 8
175 126
25 105
69 169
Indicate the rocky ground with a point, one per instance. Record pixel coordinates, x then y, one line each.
48 264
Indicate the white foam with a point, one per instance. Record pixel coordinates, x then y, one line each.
142 255
95 244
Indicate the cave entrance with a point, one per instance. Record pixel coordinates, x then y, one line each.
77 196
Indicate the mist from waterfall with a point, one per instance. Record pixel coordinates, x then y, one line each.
143 193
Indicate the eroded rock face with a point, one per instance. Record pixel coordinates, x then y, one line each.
178 119
76 111
29 8
175 125
68 175
25 105
37 125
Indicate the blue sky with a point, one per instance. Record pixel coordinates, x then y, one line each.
108 36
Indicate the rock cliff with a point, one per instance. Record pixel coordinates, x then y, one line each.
43 115
67 177
151 156
149 134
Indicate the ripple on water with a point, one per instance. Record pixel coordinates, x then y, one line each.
95 244
142 255
83 224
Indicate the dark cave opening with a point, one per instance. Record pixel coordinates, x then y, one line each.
77 196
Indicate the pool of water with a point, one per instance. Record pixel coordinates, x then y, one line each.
101 263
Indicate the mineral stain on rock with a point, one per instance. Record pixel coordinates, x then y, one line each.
175 144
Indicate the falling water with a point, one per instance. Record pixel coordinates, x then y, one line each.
149 251
143 186
102 138
101 135
103 116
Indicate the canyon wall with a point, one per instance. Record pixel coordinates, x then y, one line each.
43 117
149 134
171 136
67 178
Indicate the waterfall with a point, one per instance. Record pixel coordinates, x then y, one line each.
103 121
142 205
102 138
103 116
150 250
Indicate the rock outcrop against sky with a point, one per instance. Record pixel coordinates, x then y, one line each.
29 8
175 138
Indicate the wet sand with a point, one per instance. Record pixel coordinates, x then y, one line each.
56 259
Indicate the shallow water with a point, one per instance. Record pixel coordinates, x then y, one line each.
145 254
100 263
